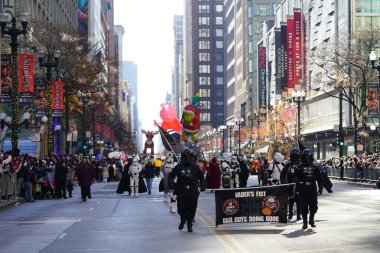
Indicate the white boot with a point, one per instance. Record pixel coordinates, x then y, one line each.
173 207
132 191
137 191
166 197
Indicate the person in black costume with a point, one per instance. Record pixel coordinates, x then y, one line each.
288 176
244 172
189 179
124 184
308 175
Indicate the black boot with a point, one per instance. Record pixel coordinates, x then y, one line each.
304 218
299 216
182 224
290 216
189 227
311 220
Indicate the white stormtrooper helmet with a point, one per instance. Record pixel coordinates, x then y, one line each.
135 159
278 157
234 159
170 158
225 165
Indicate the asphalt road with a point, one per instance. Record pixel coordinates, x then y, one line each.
347 221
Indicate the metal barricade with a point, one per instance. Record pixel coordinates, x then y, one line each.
370 174
10 187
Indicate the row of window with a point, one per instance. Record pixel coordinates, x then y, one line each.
206 20
205 32
205 44
205 93
205 8
206 116
205 80
205 69
204 56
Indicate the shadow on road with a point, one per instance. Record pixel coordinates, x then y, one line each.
255 231
300 233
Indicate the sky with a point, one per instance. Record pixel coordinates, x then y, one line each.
149 42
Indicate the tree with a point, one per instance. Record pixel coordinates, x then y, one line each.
343 67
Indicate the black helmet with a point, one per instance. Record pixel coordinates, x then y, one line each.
188 155
307 157
294 154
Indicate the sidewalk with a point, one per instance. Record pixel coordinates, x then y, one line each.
358 183
12 202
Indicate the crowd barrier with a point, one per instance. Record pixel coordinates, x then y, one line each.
10 187
370 174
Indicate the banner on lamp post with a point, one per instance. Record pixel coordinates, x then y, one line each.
57 95
373 100
297 46
26 73
261 58
290 52
6 78
283 60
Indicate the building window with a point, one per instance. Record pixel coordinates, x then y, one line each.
204 20
219 68
206 105
250 47
218 56
219 103
274 7
204 44
263 10
204 80
218 20
219 44
249 29
204 33
250 66
205 116
204 8
218 8
249 11
219 93
219 80
219 32
205 93
204 56
204 69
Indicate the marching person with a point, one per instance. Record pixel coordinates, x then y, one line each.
149 173
275 168
213 175
308 175
189 179
288 176
134 173
166 168
244 171
60 174
235 172
85 175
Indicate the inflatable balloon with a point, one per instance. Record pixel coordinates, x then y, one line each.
149 141
191 118
169 118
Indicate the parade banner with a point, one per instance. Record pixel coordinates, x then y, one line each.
279 63
290 53
57 95
283 60
261 58
297 46
373 100
26 73
6 77
249 205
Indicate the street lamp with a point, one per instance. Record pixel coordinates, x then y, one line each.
85 98
49 61
298 97
230 126
9 122
222 128
239 123
14 32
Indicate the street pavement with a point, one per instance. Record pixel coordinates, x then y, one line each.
347 221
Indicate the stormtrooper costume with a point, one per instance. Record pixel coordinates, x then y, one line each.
226 174
134 171
275 168
166 168
235 171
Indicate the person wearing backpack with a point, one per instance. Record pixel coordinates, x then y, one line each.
275 168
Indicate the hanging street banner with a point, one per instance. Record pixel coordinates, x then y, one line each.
6 78
57 95
26 73
373 100
262 68
297 44
283 60
290 52
249 205
279 63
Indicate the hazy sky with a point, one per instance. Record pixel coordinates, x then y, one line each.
149 42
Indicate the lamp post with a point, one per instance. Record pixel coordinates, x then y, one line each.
239 123
298 97
14 32
230 126
222 128
49 61
85 98
372 58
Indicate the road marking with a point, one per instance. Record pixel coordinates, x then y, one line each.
62 235
228 236
91 209
335 248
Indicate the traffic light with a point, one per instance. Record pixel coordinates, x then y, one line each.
84 147
341 140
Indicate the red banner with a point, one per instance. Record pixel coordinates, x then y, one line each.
297 47
290 52
57 95
26 73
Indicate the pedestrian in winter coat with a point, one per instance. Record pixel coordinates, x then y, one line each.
85 175
213 175
105 174
149 173
60 179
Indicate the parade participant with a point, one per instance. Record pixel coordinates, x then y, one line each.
85 175
166 168
244 172
288 176
60 174
124 183
189 179
134 173
226 174
149 172
235 171
213 175
308 175
275 168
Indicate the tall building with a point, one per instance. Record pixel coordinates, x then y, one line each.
204 59
177 96
120 98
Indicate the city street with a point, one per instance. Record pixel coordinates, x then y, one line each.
347 221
